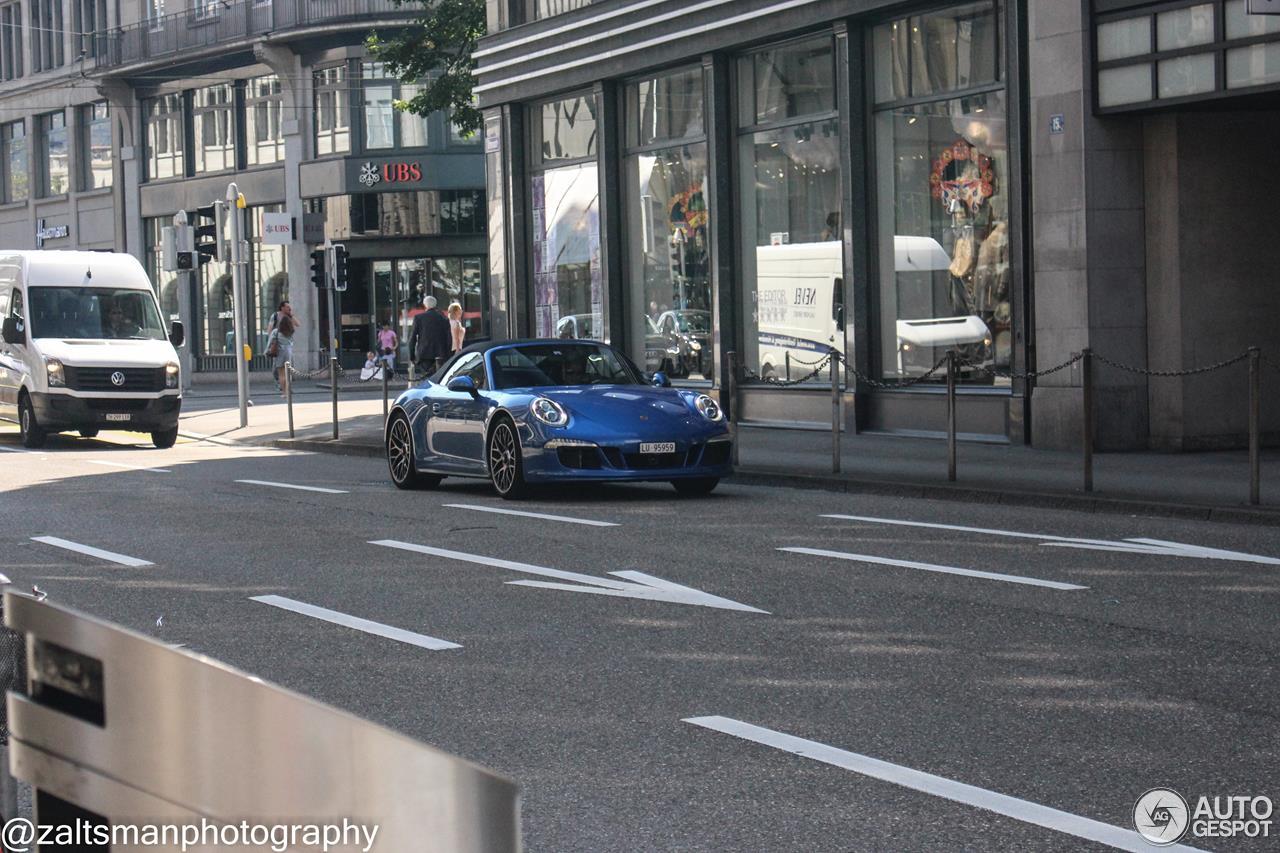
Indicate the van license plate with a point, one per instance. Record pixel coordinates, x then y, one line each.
658 447
118 417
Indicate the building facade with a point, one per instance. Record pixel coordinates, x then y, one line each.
769 180
116 117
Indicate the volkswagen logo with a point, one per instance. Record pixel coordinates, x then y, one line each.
117 378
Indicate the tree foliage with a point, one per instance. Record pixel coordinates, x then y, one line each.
435 51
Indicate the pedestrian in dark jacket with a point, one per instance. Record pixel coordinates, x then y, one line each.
431 340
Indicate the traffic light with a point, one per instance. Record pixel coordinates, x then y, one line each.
339 267
208 233
318 277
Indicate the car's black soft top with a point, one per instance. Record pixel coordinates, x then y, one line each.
485 346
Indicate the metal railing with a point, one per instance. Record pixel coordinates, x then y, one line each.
215 24
951 364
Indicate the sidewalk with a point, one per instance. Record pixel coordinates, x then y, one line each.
1210 485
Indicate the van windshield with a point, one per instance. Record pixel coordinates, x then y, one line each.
93 313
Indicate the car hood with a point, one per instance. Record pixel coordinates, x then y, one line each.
107 353
628 409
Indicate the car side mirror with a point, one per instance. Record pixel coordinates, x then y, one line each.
13 332
660 380
177 334
463 385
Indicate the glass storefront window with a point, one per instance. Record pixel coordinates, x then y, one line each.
213 111
946 280
164 137
938 52
792 80
568 129
668 227
793 259
568 299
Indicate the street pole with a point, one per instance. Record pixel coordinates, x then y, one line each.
1255 412
951 415
732 358
335 333
235 208
835 411
183 243
1086 382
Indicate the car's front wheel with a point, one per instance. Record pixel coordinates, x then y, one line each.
404 473
696 486
32 434
506 467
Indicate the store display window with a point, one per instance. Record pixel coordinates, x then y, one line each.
943 191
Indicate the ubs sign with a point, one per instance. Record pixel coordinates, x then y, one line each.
393 172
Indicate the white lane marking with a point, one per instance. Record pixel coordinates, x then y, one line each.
534 515
1159 547
129 467
356 622
91 551
636 585
291 486
930 567
8 449
938 786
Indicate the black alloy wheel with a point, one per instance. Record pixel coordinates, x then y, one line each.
33 435
400 456
506 468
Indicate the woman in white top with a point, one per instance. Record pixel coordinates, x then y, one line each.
456 329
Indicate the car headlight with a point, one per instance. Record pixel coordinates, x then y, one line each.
53 369
708 408
549 412
171 375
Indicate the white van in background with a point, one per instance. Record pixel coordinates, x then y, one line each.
800 305
83 347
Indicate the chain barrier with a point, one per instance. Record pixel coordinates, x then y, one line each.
752 376
1019 375
1188 372
901 383
318 373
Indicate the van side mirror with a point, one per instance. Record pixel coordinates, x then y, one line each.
13 332
177 335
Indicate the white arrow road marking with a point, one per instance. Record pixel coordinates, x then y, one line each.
291 486
356 622
129 467
637 585
1159 547
939 786
91 551
534 515
929 567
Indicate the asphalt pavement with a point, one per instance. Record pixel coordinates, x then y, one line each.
1068 661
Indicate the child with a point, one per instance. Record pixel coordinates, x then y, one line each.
372 368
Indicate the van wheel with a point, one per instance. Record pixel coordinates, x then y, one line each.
32 434
88 433
164 438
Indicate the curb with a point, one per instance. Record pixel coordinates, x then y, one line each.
1045 500
749 476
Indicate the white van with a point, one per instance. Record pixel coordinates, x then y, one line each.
83 347
800 302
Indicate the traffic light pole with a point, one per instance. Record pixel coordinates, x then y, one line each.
235 208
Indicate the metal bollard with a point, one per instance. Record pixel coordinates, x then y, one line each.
1255 412
788 357
384 393
1086 382
333 385
288 393
835 411
732 358
951 415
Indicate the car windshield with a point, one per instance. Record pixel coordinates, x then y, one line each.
92 313
694 321
541 365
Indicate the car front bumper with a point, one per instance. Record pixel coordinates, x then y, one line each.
624 463
138 414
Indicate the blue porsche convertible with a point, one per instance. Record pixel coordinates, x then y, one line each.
544 411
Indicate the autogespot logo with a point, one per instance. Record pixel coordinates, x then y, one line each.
1160 816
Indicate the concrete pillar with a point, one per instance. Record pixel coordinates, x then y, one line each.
296 85
1087 238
